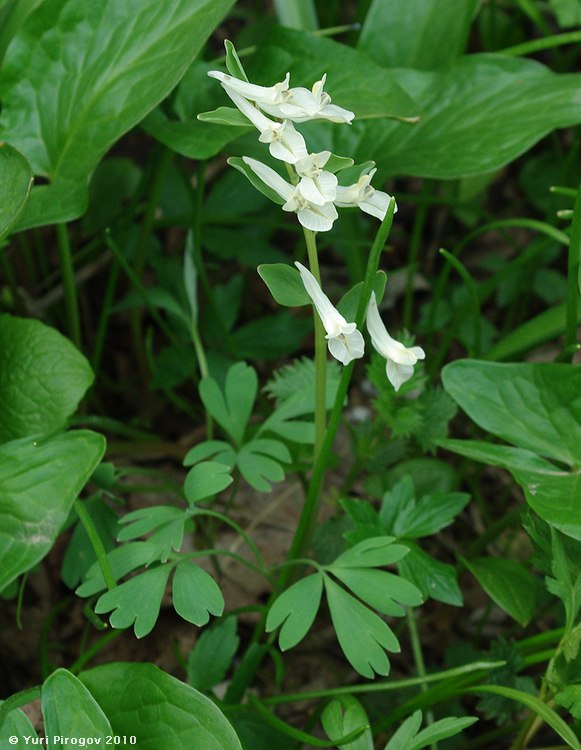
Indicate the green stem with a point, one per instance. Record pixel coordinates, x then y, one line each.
573 274
419 661
473 291
69 286
320 353
548 42
104 317
87 655
97 544
415 241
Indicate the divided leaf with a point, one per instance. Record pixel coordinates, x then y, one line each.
206 479
212 654
297 608
344 716
196 594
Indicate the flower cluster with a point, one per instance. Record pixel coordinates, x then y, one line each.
346 343
315 191
314 194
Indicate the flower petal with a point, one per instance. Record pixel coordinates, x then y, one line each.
270 178
317 218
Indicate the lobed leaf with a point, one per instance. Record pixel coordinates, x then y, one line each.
196 595
295 609
206 479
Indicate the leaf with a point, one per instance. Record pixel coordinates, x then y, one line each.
16 724
284 283
231 409
262 187
233 63
441 730
430 514
298 375
349 302
39 483
509 584
212 654
344 716
69 710
376 551
123 560
380 589
435 579
422 34
546 713
77 76
196 594
271 337
362 635
225 116
295 609
222 452
206 479
570 698
15 184
458 133
141 700
406 732
260 460
138 601
166 523
42 378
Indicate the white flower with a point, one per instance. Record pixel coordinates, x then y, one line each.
270 95
400 360
344 341
316 185
302 105
317 218
374 202
285 143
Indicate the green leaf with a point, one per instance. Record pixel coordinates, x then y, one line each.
509 584
69 710
42 378
570 698
406 732
123 560
262 187
212 654
379 589
196 594
429 515
141 700
138 601
206 479
349 302
222 452
165 521
422 34
346 715
435 579
16 724
260 460
76 77
408 736
233 64
377 551
225 116
39 483
546 713
15 184
362 635
231 409
284 283
295 609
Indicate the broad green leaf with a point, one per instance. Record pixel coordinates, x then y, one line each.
39 482
353 80
161 711
42 378
568 12
79 75
16 724
272 336
543 400
69 710
550 492
429 515
206 479
123 560
435 579
212 654
377 551
15 184
424 34
343 716
459 132
362 635
240 391
295 609
225 116
379 589
196 594
509 584
546 713
284 283
13 13
138 601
